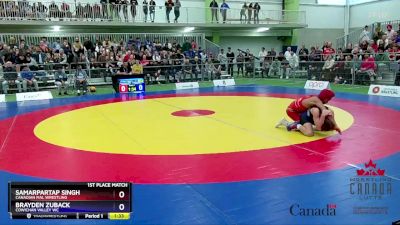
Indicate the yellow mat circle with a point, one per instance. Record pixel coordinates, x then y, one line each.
146 127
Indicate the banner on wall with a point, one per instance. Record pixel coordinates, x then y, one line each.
224 82
2 98
28 96
187 85
316 85
384 90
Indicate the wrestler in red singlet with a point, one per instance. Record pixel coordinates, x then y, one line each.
302 104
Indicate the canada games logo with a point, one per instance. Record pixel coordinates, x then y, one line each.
370 183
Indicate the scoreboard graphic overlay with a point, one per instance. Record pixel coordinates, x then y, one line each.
203 156
61 200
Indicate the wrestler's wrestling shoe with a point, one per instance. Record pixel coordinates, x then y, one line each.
292 126
283 122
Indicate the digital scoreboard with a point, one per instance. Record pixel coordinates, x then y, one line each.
131 85
60 200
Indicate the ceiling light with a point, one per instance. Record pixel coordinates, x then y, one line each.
262 29
188 29
56 28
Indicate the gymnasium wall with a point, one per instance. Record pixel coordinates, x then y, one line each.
379 11
254 44
325 22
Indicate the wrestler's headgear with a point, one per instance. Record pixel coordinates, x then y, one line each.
326 95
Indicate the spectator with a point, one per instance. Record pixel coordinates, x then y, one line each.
31 62
216 70
214 11
208 68
134 3
77 48
42 10
243 13
137 68
144 61
88 46
187 69
28 79
145 10
20 60
250 63
365 35
261 55
349 49
303 56
239 62
398 31
256 9
156 57
390 31
114 9
177 8
124 6
364 46
382 58
383 42
394 53
88 11
43 45
39 56
328 50
10 77
3 51
273 52
293 64
104 8
222 60
22 46
315 65
79 11
368 66
397 40
12 43
25 9
80 80
197 67
152 9
53 10
224 9
168 7
61 80
63 57
65 11
56 46
275 68
249 12
328 68
287 52
125 69
269 58
230 56
377 33
177 61
284 63
339 64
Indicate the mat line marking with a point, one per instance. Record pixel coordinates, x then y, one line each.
132 139
10 129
